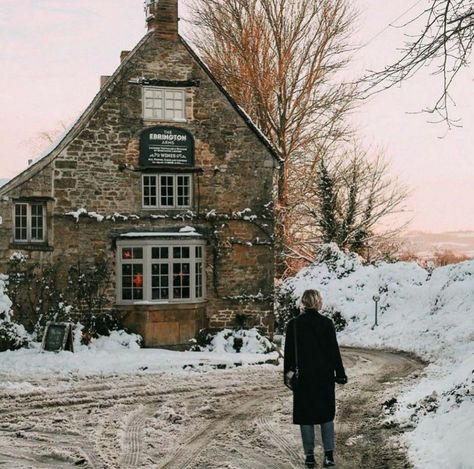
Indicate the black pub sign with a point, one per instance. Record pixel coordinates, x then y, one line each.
166 146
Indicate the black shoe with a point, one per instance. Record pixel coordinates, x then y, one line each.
328 462
309 461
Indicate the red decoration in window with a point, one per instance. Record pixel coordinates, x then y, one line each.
127 253
138 280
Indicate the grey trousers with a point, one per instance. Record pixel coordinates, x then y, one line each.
327 435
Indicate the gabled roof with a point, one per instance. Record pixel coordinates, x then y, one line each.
100 97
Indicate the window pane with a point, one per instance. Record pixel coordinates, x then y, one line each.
183 185
132 253
37 222
199 252
181 280
181 252
21 232
137 288
160 282
132 281
167 191
199 279
159 253
150 191
153 103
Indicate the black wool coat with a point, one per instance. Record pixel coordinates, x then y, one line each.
319 361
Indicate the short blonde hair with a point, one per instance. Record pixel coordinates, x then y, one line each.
311 299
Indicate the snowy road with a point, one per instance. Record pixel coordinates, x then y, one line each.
235 419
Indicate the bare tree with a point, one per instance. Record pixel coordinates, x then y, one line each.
349 198
45 138
445 42
278 59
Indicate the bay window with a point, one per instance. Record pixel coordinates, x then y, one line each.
160 271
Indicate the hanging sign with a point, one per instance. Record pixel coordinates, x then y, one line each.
166 146
58 336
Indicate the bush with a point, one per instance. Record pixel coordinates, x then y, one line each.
51 292
203 339
286 309
12 336
227 340
338 319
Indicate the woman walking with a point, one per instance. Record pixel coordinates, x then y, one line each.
312 352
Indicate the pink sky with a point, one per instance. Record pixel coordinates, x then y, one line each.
53 52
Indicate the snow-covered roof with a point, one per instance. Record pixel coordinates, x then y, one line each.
156 234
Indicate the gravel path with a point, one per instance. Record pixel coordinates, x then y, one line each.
235 419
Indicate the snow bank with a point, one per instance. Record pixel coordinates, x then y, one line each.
106 359
429 314
118 353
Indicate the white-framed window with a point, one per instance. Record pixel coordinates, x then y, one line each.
171 191
160 271
168 104
29 222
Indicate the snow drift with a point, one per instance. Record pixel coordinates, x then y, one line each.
428 313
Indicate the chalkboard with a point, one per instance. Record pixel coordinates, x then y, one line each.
58 336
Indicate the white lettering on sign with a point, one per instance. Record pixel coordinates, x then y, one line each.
179 138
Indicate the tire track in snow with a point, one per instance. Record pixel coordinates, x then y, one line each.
23 406
186 455
280 442
133 439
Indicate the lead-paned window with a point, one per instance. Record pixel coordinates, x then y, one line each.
164 103
167 191
161 273
199 271
29 222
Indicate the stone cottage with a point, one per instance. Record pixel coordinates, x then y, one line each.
166 176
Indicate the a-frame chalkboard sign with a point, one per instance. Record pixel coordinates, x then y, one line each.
57 337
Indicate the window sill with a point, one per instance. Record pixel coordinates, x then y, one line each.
164 121
168 210
160 303
170 307
31 246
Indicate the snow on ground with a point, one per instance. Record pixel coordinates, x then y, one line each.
117 354
430 314
92 361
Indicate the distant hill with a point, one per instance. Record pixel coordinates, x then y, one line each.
3 181
424 243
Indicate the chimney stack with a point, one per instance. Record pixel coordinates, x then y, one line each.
162 18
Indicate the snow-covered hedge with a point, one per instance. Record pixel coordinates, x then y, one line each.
237 341
12 336
431 314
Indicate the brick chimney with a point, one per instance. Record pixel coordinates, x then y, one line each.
162 18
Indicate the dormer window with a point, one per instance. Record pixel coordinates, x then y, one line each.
166 104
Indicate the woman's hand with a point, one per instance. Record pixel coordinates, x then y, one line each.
341 379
